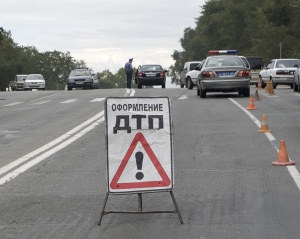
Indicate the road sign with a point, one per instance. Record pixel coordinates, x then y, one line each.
139 144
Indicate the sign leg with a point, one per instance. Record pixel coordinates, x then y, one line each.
140 202
177 208
103 208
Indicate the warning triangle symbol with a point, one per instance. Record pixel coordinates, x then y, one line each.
139 138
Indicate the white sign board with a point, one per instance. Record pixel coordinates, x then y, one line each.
139 144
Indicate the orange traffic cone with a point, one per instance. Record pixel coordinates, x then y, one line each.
259 84
251 105
267 86
264 128
271 89
256 96
283 158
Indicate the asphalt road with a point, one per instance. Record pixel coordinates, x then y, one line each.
53 168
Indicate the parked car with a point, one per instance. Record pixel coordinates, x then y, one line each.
149 75
18 83
188 66
81 78
296 84
35 81
256 65
223 71
280 72
191 77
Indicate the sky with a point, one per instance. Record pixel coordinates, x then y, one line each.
105 34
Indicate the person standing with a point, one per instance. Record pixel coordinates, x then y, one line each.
129 71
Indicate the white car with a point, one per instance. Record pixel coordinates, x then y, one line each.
35 81
280 72
188 66
191 77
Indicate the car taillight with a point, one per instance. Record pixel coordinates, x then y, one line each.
140 74
243 73
208 74
282 72
162 74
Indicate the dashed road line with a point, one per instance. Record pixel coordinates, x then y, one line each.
15 103
68 101
43 97
97 99
41 102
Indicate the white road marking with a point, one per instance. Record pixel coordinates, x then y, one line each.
68 101
43 97
45 155
12 104
97 99
41 102
50 144
291 168
183 97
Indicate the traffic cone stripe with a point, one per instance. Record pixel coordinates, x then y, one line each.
264 128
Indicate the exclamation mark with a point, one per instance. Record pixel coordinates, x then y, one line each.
139 164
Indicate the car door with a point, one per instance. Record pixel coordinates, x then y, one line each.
265 73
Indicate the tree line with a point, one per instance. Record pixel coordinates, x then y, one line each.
55 66
253 28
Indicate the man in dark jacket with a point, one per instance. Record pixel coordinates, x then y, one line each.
128 71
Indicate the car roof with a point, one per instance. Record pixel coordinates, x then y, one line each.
285 59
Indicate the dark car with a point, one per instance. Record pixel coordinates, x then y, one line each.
150 75
82 77
256 64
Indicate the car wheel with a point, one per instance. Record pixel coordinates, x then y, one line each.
163 85
139 86
291 86
246 92
295 87
202 93
198 91
274 85
263 84
189 83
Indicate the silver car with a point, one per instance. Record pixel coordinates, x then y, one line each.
223 73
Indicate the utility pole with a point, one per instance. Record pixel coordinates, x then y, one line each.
280 47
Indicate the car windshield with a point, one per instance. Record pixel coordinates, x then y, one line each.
35 77
152 68
19 78
255 63
79 73
286 63
224 61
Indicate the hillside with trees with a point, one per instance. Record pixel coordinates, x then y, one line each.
253 28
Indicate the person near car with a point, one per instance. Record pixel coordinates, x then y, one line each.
128 71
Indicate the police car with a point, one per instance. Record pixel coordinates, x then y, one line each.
223 71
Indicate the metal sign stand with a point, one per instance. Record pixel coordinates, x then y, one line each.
140 208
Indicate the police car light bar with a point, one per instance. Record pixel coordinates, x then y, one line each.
222 52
